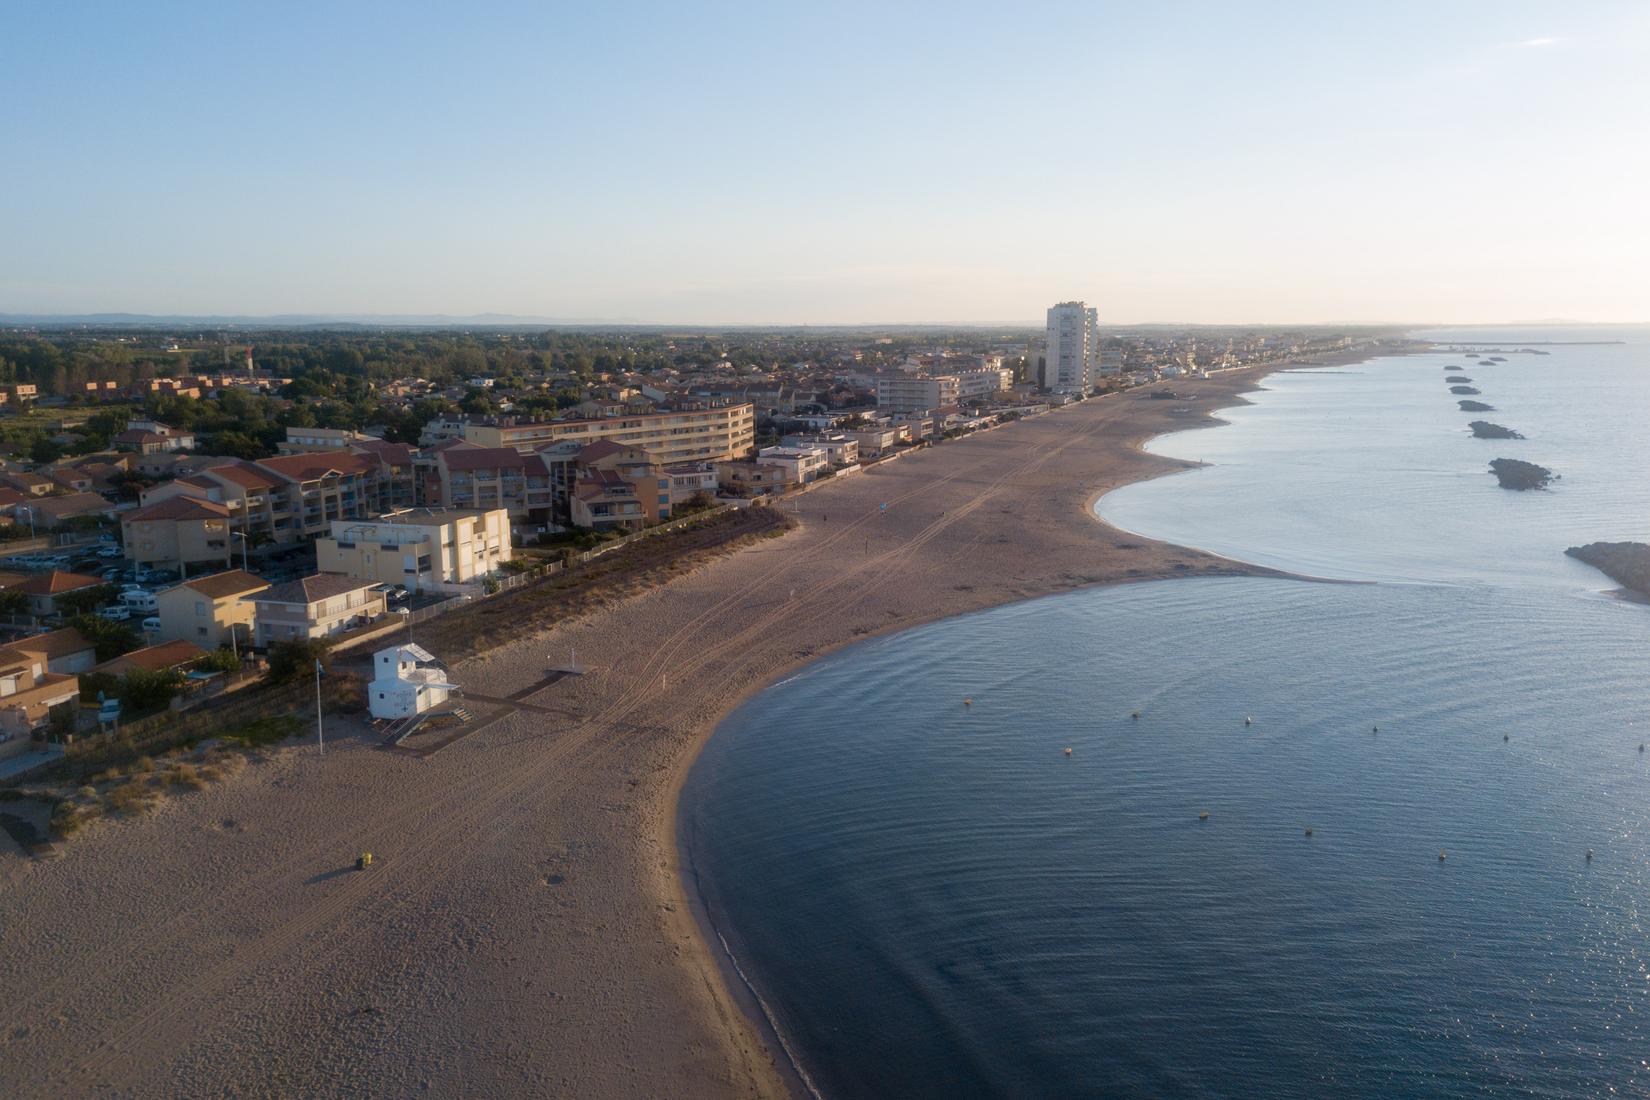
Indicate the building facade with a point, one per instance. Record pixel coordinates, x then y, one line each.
423 549
897 392
1071 348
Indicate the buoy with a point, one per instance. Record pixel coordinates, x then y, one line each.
1068 752
1135 716
1440 857
1376 729
1248 720
1204 816
1589 855
968 702
1503 737
1309 830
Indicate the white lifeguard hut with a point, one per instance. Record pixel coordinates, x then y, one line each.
407 680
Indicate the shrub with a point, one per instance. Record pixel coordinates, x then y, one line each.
292 660
222 659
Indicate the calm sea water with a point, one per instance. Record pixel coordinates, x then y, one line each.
935 900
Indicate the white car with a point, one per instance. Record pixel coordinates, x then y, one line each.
151 625
110 552
115 613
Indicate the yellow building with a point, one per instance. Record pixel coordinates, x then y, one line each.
177 531
424 549
687 435
210 611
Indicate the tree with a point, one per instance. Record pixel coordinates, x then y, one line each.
109 639
85 600
222 659
142 689
43 450
295 659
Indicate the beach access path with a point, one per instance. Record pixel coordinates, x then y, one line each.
524 929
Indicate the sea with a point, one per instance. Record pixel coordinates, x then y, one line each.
1377 839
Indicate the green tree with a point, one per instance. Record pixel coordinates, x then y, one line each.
295 659
109 639
85 600
143 690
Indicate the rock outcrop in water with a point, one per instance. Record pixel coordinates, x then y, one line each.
1626 563
1514 474
1475 407
1464 389
1483 429
1460 378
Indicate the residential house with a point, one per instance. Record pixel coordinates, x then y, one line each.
44 590
66 650
211 611
314 607
156 658
753 479
149 437
57 511
803 464
29 694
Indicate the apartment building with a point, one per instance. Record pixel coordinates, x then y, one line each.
708 434
897 392
484 479
618 486
314 607
177 532
289 498
149 437
211 611
802 464
841 448
302 440
424 549
976 385
1071 348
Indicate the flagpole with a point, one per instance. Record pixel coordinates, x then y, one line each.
320 739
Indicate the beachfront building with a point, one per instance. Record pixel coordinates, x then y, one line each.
689 434
465 476
841 448
211 611
981 385
422 549
407 680
899 392
314 607
1071 348
801 464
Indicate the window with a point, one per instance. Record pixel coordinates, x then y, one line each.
200 607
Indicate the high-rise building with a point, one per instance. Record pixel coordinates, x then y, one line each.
1072 348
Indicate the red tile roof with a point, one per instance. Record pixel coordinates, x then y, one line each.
179 507
483 458
232 582
155 658
56 582
317 464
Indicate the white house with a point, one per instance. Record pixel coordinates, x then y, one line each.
407 681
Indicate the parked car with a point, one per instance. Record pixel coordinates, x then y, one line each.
110 552
151 625
115 613
161 576
139 600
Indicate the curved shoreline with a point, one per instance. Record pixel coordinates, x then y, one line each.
527 926
697 895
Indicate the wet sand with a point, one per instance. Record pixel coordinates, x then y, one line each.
525 929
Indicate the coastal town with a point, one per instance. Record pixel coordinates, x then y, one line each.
166 527
274 651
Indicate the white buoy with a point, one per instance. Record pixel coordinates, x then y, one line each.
1249 720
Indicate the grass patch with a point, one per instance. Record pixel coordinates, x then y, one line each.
262 732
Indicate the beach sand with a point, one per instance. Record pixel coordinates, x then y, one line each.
525 929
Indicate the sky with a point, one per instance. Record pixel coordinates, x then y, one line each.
788 163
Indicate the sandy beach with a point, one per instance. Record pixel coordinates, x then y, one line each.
525 929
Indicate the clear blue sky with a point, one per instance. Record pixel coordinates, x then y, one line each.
777 162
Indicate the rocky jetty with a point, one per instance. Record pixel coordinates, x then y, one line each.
1464 389
1475 407
1626 563
1483 429
1461 378
1514 474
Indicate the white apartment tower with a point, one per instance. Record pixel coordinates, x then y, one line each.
1073 348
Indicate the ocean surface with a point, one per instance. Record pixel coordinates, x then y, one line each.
935 900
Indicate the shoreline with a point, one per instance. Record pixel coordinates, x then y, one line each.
526 926
699 897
